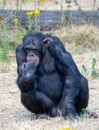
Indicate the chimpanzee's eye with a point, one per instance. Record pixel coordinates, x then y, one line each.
36 51
26 50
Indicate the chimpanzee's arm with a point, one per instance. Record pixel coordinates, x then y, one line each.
66 65
20 57
25 85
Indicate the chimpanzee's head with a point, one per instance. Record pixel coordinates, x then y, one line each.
32 45
35 48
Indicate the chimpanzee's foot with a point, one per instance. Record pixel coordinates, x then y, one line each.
40 116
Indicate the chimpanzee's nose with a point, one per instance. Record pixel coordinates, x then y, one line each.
31 55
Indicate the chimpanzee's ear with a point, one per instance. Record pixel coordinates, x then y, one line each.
47 41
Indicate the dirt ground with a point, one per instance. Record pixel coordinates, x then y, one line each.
13 116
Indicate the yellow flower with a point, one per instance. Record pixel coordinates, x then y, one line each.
16 20
37 12
64 128
29 13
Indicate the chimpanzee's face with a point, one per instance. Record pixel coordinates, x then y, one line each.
32 48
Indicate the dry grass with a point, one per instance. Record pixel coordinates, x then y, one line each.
84 36
13 116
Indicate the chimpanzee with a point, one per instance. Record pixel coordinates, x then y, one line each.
57 76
